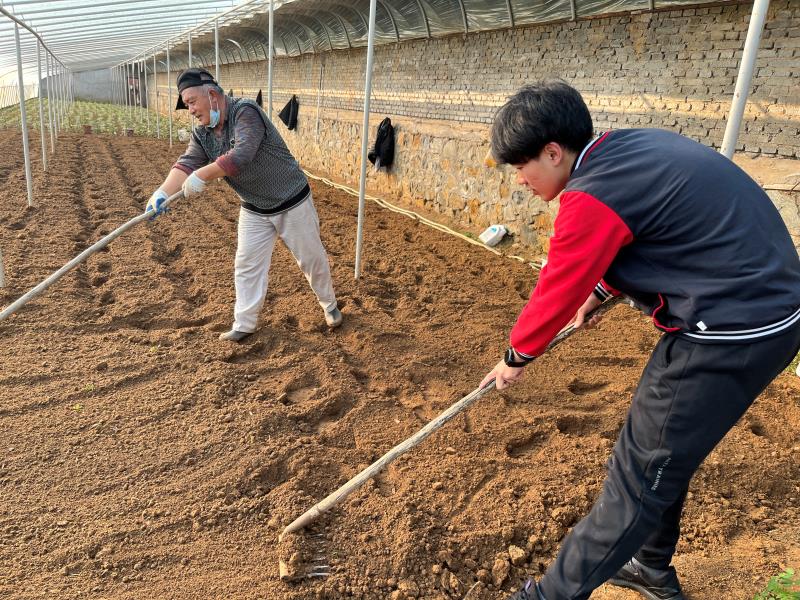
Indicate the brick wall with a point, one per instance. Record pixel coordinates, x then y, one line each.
674 69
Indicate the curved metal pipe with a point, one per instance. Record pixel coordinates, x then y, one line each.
391 17
425 16
344 27
357 12
239 46
312 35
464 16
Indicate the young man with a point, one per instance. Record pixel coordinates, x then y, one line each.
237 142
696 244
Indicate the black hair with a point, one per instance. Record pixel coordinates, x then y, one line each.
540 113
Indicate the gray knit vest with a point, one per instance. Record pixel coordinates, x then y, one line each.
273 177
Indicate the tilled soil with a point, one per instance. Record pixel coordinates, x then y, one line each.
143 458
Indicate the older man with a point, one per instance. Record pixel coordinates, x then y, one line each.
237 142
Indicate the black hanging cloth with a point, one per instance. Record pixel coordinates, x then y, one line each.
289 113
382 154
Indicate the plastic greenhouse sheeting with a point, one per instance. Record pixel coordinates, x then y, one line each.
307 26
93 35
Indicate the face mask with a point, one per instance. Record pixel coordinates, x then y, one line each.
214 116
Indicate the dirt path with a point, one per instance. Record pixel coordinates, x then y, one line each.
143 458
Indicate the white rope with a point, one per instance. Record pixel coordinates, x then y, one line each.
417 217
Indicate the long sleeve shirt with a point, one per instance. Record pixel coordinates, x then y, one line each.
588 235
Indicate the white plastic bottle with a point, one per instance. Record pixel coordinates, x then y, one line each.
492 235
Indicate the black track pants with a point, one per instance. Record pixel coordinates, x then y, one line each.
688 398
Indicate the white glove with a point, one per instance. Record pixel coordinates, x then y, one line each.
155 202
193 186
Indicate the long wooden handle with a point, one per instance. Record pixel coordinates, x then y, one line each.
356 482
94 248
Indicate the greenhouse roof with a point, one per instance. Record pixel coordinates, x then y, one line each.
87 35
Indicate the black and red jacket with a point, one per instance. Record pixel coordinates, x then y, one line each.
676 227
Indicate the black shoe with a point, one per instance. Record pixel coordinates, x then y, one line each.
530 591
653 584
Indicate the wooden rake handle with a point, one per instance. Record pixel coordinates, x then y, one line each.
93 249
371 471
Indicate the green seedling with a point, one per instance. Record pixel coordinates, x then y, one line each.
785 586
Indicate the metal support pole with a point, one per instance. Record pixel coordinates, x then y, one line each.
56 116
146 97
140 91
128 77
59 99
65 100
24 119
169 87
269 61
56 98
41 108
216 50
50 103
744 78
365 137
125 90
60 104
64 96
155 85
137 93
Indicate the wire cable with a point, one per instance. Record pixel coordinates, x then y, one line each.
537 266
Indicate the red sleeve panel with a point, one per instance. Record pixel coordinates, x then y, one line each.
588 235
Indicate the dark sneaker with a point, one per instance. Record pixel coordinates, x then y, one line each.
530 591
653 584
234 336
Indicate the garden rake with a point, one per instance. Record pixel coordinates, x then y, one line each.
294 569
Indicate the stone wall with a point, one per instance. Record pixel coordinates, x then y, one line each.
674 69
